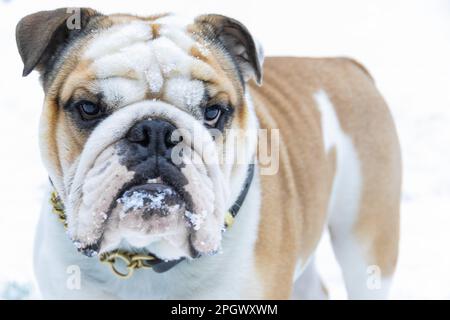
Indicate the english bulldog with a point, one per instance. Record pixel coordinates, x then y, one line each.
151 135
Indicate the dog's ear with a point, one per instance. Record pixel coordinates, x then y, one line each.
237 40
40 34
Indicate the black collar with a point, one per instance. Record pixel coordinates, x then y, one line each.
241 198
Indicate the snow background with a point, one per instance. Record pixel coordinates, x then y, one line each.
406 46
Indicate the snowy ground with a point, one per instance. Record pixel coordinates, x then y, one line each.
405 45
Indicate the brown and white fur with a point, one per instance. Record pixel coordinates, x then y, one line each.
339 160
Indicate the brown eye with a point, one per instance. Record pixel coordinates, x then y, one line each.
89 110
212 115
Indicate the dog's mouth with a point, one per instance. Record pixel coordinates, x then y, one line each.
151 199
148 204
144 214
133 202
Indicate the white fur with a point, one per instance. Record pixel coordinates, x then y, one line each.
344 205
117 37
183 92
119 91
180 21
308 285
128 50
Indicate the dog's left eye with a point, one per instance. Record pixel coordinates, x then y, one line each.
89 110
212 115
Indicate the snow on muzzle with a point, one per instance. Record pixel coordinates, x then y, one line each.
101 213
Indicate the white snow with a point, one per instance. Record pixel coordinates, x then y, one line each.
404 44
118 37
195 220
154 78
140 199
182 91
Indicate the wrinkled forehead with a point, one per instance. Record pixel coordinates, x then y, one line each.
161 58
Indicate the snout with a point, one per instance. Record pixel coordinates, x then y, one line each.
158 182
133 184
155 201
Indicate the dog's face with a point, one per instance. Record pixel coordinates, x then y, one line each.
136 121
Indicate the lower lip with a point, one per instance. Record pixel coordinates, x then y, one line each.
142 197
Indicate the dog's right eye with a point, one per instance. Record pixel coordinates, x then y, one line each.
212 115
88 110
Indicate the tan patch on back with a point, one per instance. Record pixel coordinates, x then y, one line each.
364 116
295 201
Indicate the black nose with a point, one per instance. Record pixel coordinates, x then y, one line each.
154 135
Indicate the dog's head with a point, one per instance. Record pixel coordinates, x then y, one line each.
135 124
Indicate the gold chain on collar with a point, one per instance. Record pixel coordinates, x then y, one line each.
133 261
58 208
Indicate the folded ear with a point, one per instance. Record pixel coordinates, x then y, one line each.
237 40
40 34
